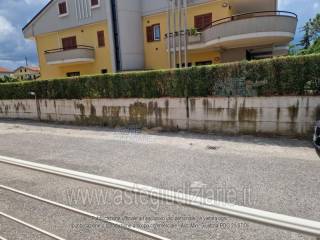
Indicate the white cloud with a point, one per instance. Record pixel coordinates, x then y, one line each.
6 28
316 5
34 2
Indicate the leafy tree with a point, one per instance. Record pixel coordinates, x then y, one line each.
311 38
315 27
6 79
306 40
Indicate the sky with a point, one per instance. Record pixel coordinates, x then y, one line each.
14 14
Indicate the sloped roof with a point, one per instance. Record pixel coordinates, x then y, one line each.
38 14
5 70
35 68
32 68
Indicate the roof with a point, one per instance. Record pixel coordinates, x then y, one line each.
38 14
35 68
32 68
5 70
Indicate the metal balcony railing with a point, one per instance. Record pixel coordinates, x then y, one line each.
78 53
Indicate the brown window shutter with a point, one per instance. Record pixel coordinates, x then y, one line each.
62 8
202 21
150 35
94 2
197 22
207 20
69 43
101 42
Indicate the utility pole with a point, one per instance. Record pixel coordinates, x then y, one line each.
26 61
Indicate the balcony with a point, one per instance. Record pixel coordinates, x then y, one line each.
77 55
246 30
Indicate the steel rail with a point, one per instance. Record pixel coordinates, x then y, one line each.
2 238
249 15
280 221
31 226
84 213
68 49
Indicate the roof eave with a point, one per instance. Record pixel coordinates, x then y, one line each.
36 16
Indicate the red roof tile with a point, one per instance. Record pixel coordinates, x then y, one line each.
5 70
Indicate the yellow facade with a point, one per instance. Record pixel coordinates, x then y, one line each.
86 35
156 55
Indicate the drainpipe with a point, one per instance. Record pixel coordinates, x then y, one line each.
174 32
179 33
185 7
169 32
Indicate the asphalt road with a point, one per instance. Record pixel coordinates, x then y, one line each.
277 175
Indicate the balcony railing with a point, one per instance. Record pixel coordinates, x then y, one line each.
250 15
77 54
244 30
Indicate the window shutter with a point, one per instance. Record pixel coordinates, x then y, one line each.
101 42
69 43
207 20
62 8
94 2
202 21
150 35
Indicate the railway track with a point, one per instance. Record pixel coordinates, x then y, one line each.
294 224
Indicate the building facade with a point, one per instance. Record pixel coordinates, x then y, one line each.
83 37
5 72
26 73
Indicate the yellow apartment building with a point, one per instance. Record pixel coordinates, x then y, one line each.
84 37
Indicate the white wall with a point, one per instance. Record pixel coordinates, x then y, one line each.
130 34
288 116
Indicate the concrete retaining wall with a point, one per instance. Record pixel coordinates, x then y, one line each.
289 116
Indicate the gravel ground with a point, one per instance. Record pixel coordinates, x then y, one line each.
277 175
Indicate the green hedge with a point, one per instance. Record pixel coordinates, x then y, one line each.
298 75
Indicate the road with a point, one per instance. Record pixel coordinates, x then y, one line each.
277 175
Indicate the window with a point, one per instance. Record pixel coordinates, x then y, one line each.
69 43
156 32
203 63
183 65
153 33
104 71
73 74
202 21
63 10
95 3
101 42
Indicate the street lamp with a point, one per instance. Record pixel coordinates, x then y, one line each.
36 102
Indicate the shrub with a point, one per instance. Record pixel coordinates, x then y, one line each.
294 75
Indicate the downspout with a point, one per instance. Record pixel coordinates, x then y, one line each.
116 40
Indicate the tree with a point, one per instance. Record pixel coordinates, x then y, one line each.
306 40
311 38
6 79
315 27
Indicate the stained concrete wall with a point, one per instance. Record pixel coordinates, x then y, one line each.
289 116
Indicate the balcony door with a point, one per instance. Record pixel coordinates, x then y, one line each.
69 43
202 21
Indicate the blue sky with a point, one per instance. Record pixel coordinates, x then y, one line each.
14 14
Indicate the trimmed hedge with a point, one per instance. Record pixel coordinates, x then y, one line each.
298 75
